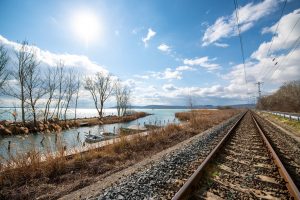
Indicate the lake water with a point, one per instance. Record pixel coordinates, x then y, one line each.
69 137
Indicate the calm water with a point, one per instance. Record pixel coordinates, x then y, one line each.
69 138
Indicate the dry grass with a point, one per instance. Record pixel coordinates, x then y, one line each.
27 177
203 119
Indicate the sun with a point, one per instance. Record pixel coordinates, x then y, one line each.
86 26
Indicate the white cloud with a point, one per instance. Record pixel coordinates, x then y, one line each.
233 88
164 48
80 62
279 66
203 62
283 39
262 67
170 74
185 68
225 26
167 74
150 35
223 45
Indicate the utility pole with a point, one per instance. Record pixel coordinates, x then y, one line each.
259 84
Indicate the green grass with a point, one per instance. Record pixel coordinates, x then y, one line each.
293 123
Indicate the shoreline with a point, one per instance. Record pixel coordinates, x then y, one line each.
18 128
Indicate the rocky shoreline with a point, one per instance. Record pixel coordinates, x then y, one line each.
18 128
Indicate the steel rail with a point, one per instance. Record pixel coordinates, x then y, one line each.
294 192
185 190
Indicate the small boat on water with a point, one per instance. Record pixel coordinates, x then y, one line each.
90 138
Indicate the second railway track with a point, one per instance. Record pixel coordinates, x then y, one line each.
243 166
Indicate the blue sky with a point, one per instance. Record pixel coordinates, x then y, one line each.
192 46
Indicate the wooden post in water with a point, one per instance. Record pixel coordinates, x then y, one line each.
8 147
78 135
42 141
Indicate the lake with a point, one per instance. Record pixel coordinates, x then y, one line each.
22 144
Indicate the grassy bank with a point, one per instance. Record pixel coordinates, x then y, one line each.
293 124
61 175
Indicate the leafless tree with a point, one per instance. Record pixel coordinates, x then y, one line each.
285 99
100 86
122 94
51 85
78 82
3 63
62 89
71 90
25 56
34 85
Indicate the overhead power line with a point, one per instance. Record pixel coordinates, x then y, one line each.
277 27
296 44
275 60
265 70
241 41
271 70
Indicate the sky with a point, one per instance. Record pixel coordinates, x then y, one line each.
165 51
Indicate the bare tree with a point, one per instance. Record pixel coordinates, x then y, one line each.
285 99
77 94
100 86
71 89
62 89
3 63
25 56
122 94
34 85
51 85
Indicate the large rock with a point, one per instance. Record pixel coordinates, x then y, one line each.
47 131
23 130
58 128
4 131
41 127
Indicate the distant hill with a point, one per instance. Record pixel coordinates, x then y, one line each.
243 106
187 107
170 107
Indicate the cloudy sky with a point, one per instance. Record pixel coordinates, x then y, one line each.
164 50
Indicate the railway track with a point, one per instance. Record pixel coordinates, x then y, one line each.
242 166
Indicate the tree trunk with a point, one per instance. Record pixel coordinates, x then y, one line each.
101 109
23 105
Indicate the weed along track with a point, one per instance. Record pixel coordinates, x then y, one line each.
243 166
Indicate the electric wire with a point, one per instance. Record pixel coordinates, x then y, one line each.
287 56
277 27
269 71
241 45
265 70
